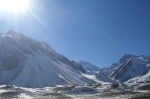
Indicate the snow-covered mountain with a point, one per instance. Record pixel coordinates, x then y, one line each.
30 63
131 66
93 72
107 71
90 68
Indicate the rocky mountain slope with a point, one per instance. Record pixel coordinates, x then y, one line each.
30 63
128 67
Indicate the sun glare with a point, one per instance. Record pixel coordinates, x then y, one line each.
14 5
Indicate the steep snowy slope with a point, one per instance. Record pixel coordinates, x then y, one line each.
30 63
139 79
131 66
90 68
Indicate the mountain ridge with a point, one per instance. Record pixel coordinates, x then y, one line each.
128 67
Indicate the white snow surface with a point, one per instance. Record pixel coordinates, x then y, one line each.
99 78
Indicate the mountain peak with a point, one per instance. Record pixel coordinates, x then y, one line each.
125 57
12 32
84 62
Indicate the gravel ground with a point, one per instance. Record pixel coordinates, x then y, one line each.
104 92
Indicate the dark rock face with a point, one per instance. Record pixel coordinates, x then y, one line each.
144 87
115 85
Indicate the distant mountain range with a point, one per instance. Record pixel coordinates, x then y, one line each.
30 63
89 67
130 67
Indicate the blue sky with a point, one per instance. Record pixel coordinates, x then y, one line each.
98 31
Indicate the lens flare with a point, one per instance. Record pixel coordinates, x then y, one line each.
14 5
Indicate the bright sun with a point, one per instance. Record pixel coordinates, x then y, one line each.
14 5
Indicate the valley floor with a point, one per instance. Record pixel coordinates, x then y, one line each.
98 91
